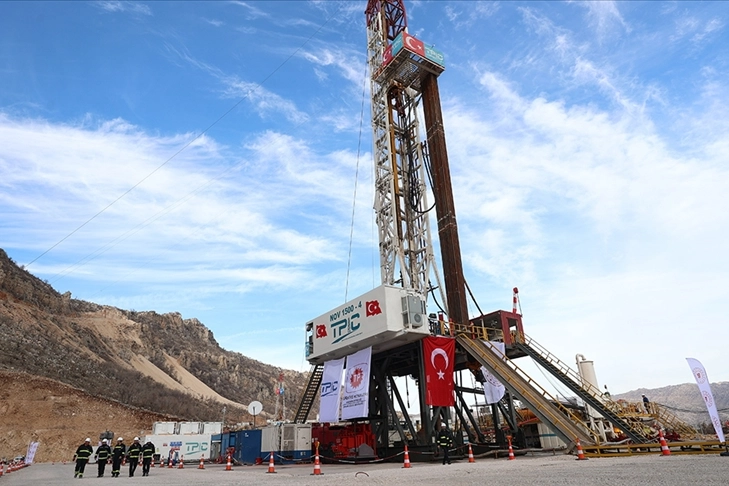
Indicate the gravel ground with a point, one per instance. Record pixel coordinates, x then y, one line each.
698 470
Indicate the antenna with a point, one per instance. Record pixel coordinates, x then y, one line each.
254 408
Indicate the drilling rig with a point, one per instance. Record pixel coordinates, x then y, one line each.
410 164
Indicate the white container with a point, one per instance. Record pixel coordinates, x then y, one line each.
384 318
189 446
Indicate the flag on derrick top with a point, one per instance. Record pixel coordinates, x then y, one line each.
439 354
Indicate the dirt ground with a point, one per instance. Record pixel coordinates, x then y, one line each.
60 417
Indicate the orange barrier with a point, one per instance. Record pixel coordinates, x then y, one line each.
406 462
580 453
665 451
317 465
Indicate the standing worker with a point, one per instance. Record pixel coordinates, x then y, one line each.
103 453
117 454
133 453
83 453
646 404
147 454
445 441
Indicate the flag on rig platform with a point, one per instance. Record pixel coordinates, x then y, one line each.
331 378
439 354
705 388
493 389
356 398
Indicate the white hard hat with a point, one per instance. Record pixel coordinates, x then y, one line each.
103 441
120 438
87 440
136 438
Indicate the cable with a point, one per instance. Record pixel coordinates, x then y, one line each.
226 113
356 179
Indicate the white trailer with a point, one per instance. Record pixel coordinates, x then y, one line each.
188 447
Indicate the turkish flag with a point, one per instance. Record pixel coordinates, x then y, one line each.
439 353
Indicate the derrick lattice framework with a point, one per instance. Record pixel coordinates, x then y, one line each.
401 194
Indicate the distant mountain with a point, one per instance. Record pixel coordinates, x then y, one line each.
161 363
685 401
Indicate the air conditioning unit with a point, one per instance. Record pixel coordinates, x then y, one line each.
413 311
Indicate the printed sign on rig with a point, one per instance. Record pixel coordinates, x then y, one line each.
415 46
384 318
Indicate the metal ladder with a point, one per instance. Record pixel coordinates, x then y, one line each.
307 399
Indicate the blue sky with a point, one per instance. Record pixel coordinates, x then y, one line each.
202 157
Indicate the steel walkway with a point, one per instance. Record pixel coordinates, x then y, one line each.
550 411
590 394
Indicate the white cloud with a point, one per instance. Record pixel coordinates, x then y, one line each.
606 229
121 6
604 16
252 11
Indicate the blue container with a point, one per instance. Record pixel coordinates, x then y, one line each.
247 446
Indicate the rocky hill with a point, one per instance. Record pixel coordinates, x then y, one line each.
685 401
162 364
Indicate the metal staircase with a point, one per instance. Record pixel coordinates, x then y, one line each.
550 411
307 399
590 394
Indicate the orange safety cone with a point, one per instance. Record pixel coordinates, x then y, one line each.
317 464
470 454
406 462
229 466
271 465
511 451
202 462
665 451
169 463
580 454
2 469
181 462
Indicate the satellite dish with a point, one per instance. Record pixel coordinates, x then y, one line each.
255 407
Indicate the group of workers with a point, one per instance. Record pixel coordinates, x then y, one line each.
116 455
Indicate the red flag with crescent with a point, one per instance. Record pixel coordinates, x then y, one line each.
439 354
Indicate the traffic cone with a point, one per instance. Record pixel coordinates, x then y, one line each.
2 469
229 466
470 454
580 454
202 462
271 465
317 464
169 464
665 451
406 462
181 462
511 451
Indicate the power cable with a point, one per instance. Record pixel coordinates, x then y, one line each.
203 132
356 179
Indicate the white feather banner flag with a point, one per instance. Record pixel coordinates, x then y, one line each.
705 388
